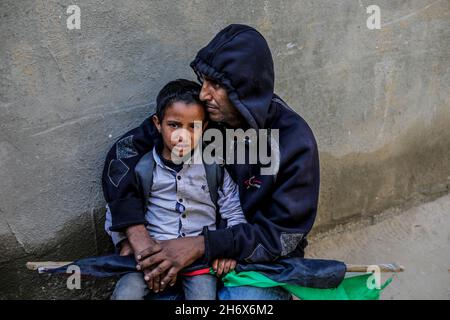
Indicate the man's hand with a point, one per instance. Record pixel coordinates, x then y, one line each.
223 265
139 240
125 248
174 255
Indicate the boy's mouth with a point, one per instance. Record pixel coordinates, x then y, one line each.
182 146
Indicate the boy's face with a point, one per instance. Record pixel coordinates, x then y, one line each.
181 128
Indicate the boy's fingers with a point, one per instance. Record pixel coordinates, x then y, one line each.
220 267
214 264
227 266
233 265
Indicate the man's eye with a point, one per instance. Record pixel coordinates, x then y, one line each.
215 84
173 125
212 82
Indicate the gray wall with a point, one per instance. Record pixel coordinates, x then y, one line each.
377 100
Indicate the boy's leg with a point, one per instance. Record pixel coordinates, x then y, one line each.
169 293
201 287
130 286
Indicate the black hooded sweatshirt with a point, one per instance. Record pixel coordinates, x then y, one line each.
280 209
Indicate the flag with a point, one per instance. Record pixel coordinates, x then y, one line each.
307 279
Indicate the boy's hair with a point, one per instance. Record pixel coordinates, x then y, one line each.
180 90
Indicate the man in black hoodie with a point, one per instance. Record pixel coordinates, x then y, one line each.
236 71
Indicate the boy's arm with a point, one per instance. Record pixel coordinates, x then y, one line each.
229 203
231 210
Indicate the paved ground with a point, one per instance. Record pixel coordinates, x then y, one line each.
417 238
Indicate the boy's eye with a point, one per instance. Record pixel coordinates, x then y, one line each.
173 125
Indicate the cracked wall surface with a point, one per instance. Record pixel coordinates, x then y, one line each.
378 102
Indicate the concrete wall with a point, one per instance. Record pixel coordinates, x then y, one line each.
377 100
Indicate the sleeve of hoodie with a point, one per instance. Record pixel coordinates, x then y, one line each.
120 187
286 214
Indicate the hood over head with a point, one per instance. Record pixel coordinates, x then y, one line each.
239 58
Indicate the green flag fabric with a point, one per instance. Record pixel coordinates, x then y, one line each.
351 288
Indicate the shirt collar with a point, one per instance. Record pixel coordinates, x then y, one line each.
195 159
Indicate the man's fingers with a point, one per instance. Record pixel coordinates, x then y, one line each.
155 248
159 270
169 279
233 265
150 261
149 283
156 284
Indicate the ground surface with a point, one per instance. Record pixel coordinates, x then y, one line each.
418 238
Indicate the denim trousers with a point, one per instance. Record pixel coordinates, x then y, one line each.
132 286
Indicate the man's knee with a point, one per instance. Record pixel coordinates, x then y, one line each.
130 286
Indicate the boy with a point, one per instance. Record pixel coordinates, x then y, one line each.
179 202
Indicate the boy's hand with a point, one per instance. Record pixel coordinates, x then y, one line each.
125 248
223 265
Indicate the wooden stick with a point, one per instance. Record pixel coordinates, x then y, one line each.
46 264
350 267
388 267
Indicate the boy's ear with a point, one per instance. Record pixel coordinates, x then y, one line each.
157 123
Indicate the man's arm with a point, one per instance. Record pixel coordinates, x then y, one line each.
120 187
285 215
140 240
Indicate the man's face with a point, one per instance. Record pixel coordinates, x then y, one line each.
219 106
181 128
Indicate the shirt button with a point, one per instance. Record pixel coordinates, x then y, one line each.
183 234
180 200
179 177
183 216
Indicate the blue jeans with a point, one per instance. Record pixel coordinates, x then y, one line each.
132 286
253 293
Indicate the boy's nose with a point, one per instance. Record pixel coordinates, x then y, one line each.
182 135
